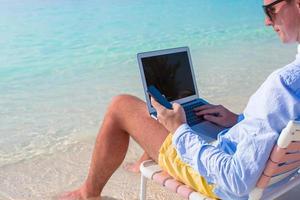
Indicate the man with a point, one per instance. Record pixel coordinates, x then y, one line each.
231 168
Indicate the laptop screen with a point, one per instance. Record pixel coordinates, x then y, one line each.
170 74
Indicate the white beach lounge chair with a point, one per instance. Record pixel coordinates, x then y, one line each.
280 175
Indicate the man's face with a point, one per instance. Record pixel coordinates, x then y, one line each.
285 19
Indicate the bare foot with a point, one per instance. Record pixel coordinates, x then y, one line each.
135 167
132 167
76 195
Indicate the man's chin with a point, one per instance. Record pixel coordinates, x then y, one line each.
282 38
284 41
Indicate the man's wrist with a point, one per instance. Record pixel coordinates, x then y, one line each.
176 126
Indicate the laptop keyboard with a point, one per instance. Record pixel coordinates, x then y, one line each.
191 117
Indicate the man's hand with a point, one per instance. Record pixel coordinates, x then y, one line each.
217 114
170 119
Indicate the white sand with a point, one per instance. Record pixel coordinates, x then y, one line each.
46 176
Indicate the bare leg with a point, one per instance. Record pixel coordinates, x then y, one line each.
126 116
135 167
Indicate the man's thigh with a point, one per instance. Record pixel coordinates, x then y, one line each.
134 118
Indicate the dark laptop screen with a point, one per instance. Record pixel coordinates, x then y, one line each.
170 74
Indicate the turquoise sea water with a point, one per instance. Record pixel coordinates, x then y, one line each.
61 61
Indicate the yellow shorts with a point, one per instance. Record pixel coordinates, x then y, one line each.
171 163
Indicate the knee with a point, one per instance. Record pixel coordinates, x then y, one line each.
121 102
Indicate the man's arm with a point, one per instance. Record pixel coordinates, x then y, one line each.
235 173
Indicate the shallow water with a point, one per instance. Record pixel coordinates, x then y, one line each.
61 61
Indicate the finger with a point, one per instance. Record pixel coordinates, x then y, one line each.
206 106
161 118
158 107
210 111
176 106
212 118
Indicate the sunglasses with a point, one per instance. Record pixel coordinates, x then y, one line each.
269 10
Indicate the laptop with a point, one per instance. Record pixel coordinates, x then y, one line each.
171 72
